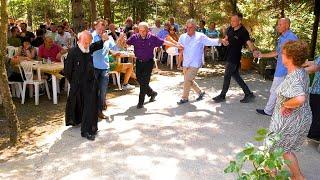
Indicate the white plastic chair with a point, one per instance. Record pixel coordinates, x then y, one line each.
155 57
172 51
16 88
116 78
12 51
26 66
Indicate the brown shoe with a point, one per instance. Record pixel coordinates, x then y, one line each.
101 115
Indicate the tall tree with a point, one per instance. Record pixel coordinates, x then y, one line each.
107 9
234 5
93 10
9 107
77 14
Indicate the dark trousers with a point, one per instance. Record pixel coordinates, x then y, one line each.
314 131
143 72
102 78
232 70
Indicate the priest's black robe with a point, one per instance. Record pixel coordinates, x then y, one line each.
82 100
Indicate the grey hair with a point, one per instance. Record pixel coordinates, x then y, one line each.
144 25
84 33
192 21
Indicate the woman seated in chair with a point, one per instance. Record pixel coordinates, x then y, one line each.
27 51
172 37
126 68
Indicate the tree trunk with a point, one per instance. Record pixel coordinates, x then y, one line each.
77 14
29 15
107 9
282 15
234 6
93 10
315 28
9 107
192 13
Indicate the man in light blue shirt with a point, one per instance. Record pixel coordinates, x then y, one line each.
283 28
194 43
101 66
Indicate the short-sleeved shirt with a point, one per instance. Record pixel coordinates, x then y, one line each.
49 53
281 70
63 40
315 87
143 48
193 48
237 39
163 33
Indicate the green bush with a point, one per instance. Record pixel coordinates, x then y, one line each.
268 163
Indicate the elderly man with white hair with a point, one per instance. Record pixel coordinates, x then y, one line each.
79 70
194 43
144 42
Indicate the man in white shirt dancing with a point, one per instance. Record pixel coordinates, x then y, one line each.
193 43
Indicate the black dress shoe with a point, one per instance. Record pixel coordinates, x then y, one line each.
219 98
247 98
90 137
200 97
261 111
139 106
182 101
153 97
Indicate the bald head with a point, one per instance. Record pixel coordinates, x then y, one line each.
283 25
85 38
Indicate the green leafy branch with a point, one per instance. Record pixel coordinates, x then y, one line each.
267 162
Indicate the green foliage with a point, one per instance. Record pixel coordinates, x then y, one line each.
260 17
267 162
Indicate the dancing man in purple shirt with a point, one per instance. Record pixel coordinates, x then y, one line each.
144 43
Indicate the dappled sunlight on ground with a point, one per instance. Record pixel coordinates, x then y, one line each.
195 140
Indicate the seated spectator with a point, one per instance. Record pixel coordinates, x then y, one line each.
135 29
38 41
11 74
212 32
63 38
165 31
126 68
172 36
155 30
113 32
172 23
128 28
50 50
27 50
14 39
52 31
26 35
202 27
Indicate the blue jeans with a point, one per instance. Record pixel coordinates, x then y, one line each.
102 78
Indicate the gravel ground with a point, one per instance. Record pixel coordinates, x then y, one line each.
162 141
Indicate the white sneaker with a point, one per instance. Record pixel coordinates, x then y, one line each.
128 87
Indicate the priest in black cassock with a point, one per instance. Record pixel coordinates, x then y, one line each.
82 100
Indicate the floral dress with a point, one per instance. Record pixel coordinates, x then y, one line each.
293 128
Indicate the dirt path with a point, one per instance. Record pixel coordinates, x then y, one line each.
162 141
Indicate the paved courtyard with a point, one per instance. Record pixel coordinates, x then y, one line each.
162 141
